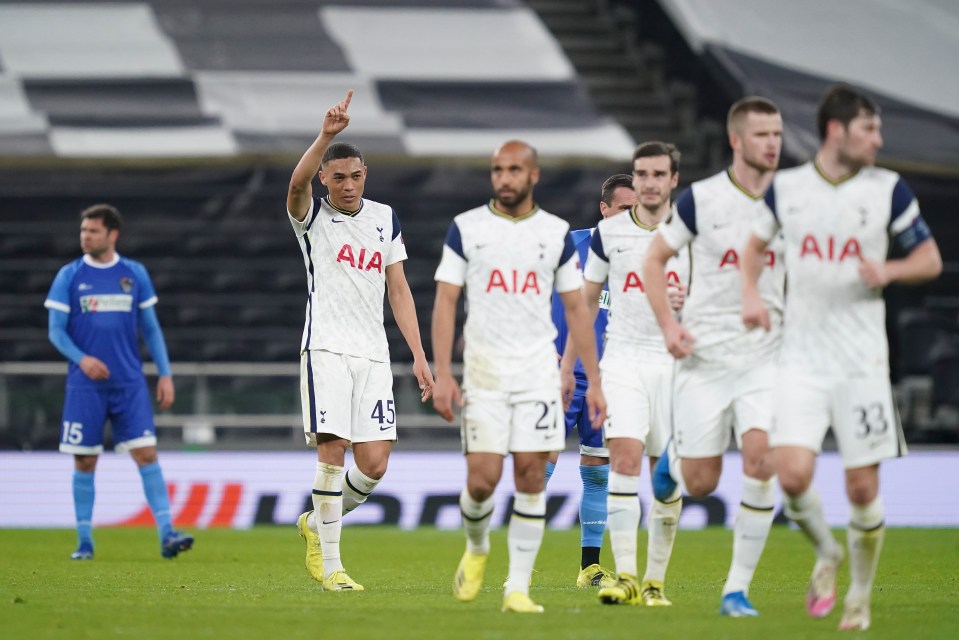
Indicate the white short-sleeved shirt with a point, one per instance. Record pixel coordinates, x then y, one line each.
834 323
616 255
509 267
346 255
714 217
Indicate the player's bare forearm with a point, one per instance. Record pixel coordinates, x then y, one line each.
442 327
654 278
404 308
581 333
404 312
446 391
754 312
591 291
751 263
924 263
301 183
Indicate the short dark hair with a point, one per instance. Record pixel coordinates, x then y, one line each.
655 148
843 103
613 183
341 150
749 104
106 213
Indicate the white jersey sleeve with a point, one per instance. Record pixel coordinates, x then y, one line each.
766 226
397 249
452 268
569 275
597 264
680 227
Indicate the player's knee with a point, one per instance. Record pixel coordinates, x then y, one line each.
699 486
793 481
758 466
85 464
480 489
861 492
374 470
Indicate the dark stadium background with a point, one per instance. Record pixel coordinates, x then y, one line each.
213 231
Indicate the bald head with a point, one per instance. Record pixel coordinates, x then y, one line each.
514 172
519 150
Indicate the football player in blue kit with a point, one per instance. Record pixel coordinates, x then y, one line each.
99 304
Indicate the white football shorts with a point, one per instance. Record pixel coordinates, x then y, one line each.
861 411
346 396
503 422
708 402
638 400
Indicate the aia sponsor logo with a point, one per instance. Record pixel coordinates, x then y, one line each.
830 249
731 259
635 283
363 261
512 281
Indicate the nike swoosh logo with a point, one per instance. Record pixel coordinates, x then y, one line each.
386 428
335 221
619 250
330 521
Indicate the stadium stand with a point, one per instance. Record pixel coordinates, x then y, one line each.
189 115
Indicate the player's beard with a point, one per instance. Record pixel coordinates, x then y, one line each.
512 199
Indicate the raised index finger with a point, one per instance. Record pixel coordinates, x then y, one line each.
346 102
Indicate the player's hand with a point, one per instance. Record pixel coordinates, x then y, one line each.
165 393
424 377
677 296
336 117
679 341
445 393
755 313
596 406
94 368
567 387
873 273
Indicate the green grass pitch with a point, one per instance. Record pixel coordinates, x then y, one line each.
252 584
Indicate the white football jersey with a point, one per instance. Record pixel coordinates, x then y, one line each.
714 216
509 267
346 255
835 323
616 255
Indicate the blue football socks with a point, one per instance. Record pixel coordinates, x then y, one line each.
155 490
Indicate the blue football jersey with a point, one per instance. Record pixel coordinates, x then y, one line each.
581 239
104 303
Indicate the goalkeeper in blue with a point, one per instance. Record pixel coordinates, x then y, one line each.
98 306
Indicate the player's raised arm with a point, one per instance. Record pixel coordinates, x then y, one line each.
446 390
301 189
754 311
678 340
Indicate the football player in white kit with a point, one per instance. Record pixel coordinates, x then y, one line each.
509 255
724 375
837 214
637 372
352 249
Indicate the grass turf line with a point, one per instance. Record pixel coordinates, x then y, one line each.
252 584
